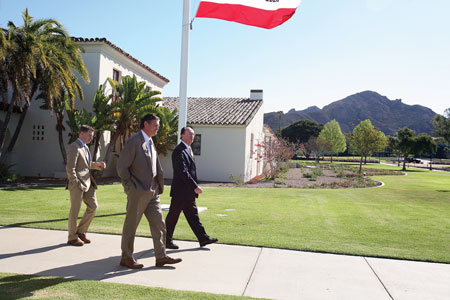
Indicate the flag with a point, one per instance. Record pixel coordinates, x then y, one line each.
260 13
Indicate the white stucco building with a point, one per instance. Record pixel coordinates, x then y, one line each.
36 152
227 130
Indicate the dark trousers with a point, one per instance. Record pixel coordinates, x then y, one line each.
189 208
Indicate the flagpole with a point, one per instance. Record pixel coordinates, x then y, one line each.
184 65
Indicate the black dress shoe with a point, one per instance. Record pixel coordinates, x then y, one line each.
171 245
207 242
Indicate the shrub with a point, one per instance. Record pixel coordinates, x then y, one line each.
6 176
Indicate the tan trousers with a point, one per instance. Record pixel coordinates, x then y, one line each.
76 196
147 203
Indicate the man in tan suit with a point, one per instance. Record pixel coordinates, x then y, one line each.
81 185
142 178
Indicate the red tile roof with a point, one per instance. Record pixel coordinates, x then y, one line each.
217 111
104 40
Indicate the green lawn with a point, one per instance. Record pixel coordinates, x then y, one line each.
14 286
407 218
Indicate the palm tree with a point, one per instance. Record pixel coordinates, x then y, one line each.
134 100
166 139
103 116
40 56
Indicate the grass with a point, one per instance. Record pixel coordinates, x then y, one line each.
407 218
14 286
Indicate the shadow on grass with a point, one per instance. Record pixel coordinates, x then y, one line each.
55 220
31 188
24 286
444 191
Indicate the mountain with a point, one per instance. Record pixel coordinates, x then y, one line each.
385 114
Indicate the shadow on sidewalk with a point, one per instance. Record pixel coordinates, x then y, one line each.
55 220
101 269
33 251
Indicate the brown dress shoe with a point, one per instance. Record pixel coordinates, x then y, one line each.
76 242
167 260
83 237
129 263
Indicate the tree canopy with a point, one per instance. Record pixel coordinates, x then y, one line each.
441 125
366 139
300 132
333 137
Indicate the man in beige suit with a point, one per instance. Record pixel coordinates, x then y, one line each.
81 185
142 178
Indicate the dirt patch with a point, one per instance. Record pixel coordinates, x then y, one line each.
316 177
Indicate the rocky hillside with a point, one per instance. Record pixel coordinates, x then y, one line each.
388 115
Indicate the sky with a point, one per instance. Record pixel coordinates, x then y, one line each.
327 51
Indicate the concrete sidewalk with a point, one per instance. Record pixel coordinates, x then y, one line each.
225 269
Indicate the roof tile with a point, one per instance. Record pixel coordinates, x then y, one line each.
217 111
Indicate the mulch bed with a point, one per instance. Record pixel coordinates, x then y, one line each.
294 178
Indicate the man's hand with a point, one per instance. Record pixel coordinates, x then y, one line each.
198 190
98 165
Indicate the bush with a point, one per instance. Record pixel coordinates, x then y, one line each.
6 176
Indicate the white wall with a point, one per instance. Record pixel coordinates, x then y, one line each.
256 127
222 154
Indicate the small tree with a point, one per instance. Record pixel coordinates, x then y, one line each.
441 125
366 139
405 143
424 145
333 138
273 154
313 148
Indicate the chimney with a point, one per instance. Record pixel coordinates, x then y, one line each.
256 94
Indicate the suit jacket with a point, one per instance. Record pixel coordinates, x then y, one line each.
77 168
135 165
184 173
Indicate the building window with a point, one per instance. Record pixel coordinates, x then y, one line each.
38 133
197 144
116 77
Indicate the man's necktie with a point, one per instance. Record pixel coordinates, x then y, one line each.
88 155
153 156
192 152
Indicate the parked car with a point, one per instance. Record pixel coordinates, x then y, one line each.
413 160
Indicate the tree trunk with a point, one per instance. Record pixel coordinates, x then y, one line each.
59 128
13 141
18 129
365 159
404 164
98 136
111 145
360 164
331 158
4 129
431 162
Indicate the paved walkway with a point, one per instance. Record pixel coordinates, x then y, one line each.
225 269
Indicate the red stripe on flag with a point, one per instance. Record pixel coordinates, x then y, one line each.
245 14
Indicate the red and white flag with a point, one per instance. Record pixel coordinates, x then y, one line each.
260 13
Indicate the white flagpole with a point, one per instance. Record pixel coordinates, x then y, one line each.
182 111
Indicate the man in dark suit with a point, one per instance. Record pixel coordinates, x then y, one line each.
142 178
81 185
184 190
